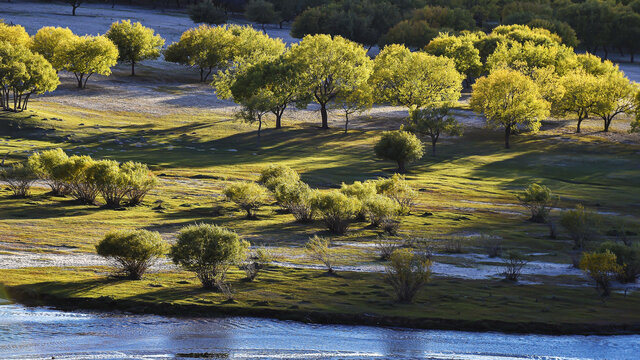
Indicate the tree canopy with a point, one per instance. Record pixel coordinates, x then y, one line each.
135 42
87 55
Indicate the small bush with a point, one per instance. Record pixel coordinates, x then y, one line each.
361 191
513 262
400 146
111 182
379 208
256 261
207 12
492 246
386 247
275 174
19 178
76 174
44 165
582 225
453 246
390 226
335 208
539 200
601 268
319 249
399 189
628 257
133 251
249 196
209 251
407 273
140 180
295 197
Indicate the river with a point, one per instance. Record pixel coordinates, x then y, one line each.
42 333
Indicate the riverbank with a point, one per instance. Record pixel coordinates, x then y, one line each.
350 298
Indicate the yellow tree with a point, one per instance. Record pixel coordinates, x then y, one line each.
509 99
414 79
47 40
87 55
330 66
615 95
135 42
14 34
580 95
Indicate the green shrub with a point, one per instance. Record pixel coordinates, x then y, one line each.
399 189
19 178
110 180
335 209
295 197
407 273
539 200
601 268
361 191
140 180
76 174
628 257
319 248
249 196
582 225
207 12
379 208
134 251
400 146
44 164
209 251
275 174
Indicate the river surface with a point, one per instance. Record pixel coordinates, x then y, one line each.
42 333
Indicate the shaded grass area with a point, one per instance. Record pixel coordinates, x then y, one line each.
349 297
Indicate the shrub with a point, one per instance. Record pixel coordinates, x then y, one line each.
209 251
319 248
140 180
335 208
207 12
539 200
390 226
398 188
386 247
513 262
582 225
133 251
44 165
275 174
256 261
111 182
628 257
76 174
379 209
407 273
399 146
453 246
361 191
492 245
19 178
295 197
249 196
601 268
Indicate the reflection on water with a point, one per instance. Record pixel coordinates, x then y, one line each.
39 333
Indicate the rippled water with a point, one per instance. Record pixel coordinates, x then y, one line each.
39 333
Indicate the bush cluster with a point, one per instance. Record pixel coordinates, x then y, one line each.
83 178
132 251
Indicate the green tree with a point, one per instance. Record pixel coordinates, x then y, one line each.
355 101
207 12
87 55
581 224
135 42
47 40
329 66
628 257
261 12
615 96
204 47
560 28
434 122
22 74
414 79
209 251
14 35
509 99
601 268
400 146
248 195
44 165
74 5
407 273
133 251
461 50
539 200
580 95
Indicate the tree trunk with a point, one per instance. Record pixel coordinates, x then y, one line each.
346 123
133 69
401 167
73 12
259 124
607 122
433 146
507 134
278 121
606 52
578 127
325 116
80 81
